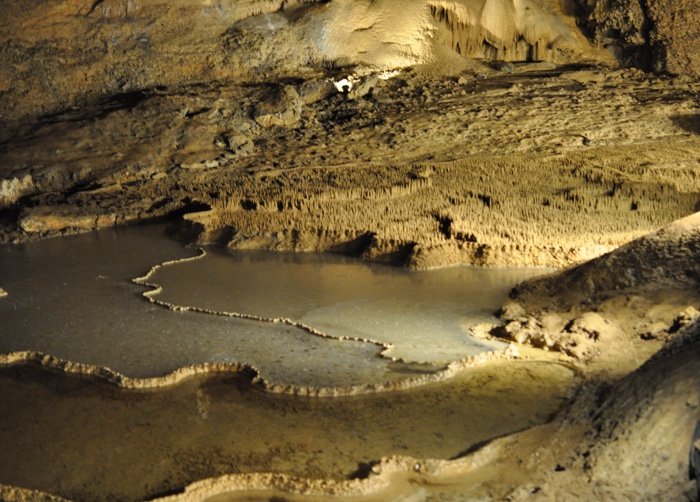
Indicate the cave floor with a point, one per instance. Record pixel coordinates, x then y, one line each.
543 165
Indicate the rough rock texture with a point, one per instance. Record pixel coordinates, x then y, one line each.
659 261
62 54
675 34
626 440
232 113
662 401
615 308
658 35
628 435
118 111
540 166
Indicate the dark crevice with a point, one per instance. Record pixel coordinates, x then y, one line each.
94 6
646 58
166 493
194 113
357 246
485 199
364 470
123 101
444 225
249 204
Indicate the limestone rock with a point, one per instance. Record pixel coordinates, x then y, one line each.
683 319
582 335
44 219
282 108
511 311
675 36
663 259
64 54
659 35
695 455
12 189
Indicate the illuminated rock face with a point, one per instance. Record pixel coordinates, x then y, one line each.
62 54
510 30
397 33
59 54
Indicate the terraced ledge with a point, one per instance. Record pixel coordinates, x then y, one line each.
122 381
390 471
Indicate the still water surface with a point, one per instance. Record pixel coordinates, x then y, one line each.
74 298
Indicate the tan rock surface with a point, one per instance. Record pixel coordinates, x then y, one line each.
553 171
616 310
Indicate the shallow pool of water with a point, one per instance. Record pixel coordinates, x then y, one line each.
90 441
74 298
421 316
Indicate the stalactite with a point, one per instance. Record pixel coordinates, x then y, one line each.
496 31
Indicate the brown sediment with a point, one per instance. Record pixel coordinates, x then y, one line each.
139 443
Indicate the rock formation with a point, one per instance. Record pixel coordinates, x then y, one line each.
420 133
63 54
656 35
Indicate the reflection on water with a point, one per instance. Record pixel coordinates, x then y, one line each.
423 315
88 441
73 298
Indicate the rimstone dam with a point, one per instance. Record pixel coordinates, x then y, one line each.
349 250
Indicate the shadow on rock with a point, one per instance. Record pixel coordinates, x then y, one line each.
690 123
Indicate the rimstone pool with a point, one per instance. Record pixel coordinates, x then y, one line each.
324 366
339 321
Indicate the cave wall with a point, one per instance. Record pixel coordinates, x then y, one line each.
654 35
57 54
516 30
